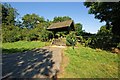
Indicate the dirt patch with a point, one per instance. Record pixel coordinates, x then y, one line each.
115 50
64 63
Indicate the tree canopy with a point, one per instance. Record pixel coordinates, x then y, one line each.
103 31
108 12
60 19
8 14
29 20
78 29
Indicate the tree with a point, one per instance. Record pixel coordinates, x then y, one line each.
108 12
60 19
10 33
104 31
78 29
30 20
18 23
8 14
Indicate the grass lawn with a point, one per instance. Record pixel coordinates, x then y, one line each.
85 62
21 46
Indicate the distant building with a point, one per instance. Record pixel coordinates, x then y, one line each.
62 26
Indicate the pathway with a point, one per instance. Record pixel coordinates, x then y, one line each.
38 63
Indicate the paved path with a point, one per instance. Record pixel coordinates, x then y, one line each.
37 63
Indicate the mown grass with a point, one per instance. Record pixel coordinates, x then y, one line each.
21 46
85 62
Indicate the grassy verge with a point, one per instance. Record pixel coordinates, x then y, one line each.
85 62
21 46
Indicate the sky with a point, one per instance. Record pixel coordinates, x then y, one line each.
76 10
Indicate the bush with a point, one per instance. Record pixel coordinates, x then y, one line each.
81 39
88 42
103 42
63 33
46 35
13 33
10 33
71 39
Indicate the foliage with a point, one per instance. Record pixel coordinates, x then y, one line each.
78 29
108 12
8 14
31 28
21 46
103 42
104 39
82 39
10 33
24 34
104 31
85 62
46 35
60 19
118 45
87 42
71 39
63 33
18 23
14 33
33 35
29 20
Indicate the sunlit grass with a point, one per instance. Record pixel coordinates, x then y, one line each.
21 46
85 62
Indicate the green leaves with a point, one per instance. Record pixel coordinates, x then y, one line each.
10 33
104 31
8 14
30 20
108 12
60 19
46 35
78 29
71 39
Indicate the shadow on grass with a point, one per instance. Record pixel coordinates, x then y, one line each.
34 63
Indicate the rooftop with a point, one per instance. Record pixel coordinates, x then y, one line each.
60 24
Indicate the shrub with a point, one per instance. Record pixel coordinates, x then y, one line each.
103 42
71 39
88 42
81 39
46 35
63 33
10 33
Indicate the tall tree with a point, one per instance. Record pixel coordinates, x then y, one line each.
29 20
78 29
8 14
108 12
60 19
